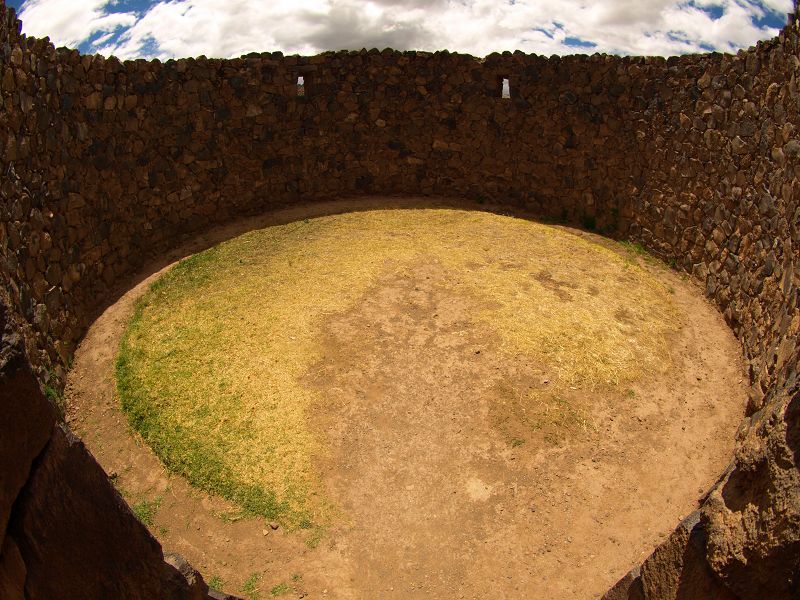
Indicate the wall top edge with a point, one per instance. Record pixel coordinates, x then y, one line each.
11 27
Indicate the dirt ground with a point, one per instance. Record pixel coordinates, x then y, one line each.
434 500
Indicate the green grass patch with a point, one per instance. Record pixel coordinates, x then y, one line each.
636 250
145 510
215 583
54 395
314 537
250 588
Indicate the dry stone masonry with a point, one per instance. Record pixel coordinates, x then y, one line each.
108 164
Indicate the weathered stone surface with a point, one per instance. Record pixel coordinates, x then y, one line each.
677 570
754 517
195 586
12 571
79 539
627 588
215 595
27 418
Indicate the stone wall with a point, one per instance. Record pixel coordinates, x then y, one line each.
107 164
721 198
119 159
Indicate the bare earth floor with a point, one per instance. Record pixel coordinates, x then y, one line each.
434 501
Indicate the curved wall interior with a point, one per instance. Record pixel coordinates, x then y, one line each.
108 164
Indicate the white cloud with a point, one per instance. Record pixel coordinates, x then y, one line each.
69 22
225 28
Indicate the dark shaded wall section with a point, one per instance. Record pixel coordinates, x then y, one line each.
66 532
107 164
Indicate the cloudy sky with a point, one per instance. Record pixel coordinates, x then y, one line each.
228 28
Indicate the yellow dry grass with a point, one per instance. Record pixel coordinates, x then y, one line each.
210 368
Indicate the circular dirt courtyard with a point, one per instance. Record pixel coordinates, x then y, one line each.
408 402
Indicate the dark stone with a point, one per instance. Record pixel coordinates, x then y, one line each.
569 98
792 149
198 590
102 163
27 418
271 163
769 265
53 299
627 588
677 570
365 182
215 595
12 571
79 539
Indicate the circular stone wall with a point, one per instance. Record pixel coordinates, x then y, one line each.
108 164
436 402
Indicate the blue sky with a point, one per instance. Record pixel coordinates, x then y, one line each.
227 28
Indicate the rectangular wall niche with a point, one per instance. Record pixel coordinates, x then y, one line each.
505 87
301 85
